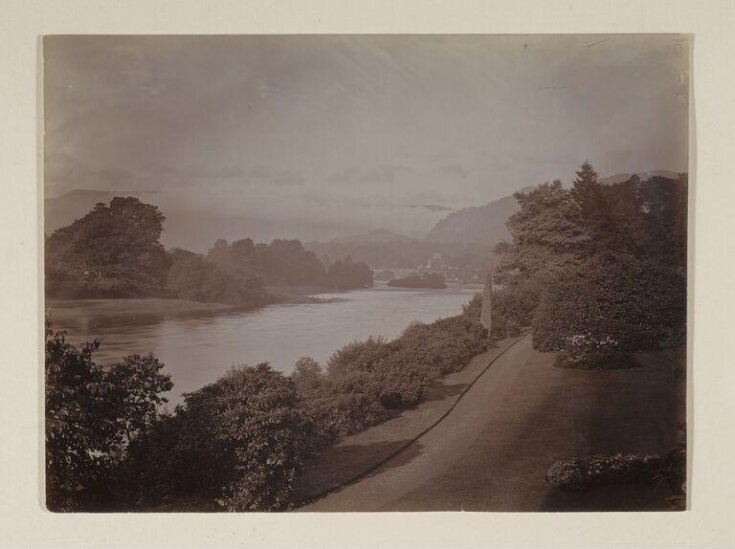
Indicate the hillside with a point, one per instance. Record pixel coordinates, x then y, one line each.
477 225
486 224
374 237
643 176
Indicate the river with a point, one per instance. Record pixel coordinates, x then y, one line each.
198 349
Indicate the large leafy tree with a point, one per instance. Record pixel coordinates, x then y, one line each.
193 276
113 251
91 414
346 274
597 268
546 230
236 443
547 238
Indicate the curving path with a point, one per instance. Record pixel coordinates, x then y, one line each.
492 451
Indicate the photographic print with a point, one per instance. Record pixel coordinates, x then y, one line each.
319 273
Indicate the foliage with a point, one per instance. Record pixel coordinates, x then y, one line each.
280 262
473 308
673 473
90 413
424 280
366 381
583 473
113 251
236 443
516 303
194 277
546 233
347 275
406 253
608 306
597 270
286 262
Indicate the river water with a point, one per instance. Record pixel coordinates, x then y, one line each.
198 349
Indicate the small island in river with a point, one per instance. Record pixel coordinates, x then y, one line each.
433 281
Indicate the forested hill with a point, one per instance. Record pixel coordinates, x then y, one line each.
487 224
484 224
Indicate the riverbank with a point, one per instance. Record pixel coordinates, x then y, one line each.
64 310
357 455
297 295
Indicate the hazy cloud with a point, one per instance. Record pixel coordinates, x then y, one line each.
453 169
269 123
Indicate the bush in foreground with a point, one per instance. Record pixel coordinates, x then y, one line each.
582 473
236 444
91 413
605 308
366 382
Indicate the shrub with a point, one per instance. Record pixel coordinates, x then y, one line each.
91 412
366 381
113 251
473 308
516 303
238 441
424 280
610 306
590 360
673 474
582 473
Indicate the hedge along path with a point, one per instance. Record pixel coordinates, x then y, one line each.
320 465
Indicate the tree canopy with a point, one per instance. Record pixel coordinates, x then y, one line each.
113 251
91 412
597 267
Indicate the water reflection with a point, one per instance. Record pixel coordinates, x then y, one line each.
198 348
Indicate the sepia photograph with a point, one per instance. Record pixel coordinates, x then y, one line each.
365 272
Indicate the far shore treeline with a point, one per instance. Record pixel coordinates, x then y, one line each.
597 272
115 251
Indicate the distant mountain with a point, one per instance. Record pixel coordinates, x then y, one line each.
644 176
374 237
486 224
433 208
477 225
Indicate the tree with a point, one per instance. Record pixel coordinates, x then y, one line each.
215 280
608 306
307 375
547 238
546 231
346 275
597 270
186 275
236 443
113 251
90 413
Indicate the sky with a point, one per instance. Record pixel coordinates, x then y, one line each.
322 136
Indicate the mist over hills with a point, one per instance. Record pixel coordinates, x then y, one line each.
197 229
483 224
487 224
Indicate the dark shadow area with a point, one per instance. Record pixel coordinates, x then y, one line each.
340 465
621 497
440 391
569 413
